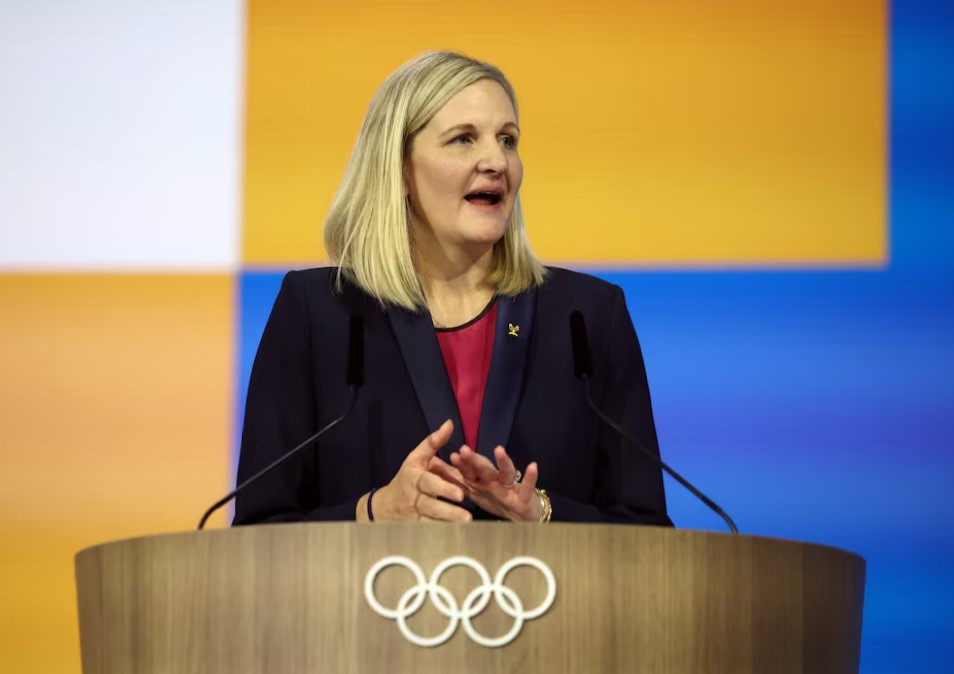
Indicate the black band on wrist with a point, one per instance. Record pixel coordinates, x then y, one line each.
370 511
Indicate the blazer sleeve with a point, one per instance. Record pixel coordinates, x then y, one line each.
281 411
628 486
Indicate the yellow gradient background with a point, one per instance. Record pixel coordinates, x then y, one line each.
115 421
678 133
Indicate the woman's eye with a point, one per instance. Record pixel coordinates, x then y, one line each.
508 142
461 139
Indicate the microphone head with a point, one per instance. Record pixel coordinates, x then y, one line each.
582 367
354 375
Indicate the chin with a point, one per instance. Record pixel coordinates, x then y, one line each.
488 236
490 226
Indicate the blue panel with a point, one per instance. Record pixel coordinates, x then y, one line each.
257 293
922 139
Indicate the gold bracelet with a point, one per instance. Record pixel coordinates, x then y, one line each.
545 504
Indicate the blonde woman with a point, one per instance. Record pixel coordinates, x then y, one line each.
469 408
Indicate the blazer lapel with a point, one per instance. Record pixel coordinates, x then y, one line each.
507 366
425 365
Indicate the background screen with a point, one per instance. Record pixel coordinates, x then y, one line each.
770 183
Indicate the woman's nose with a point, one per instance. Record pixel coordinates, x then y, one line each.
493 158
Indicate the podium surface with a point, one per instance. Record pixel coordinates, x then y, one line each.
295 598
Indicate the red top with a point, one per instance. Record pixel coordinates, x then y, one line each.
467 350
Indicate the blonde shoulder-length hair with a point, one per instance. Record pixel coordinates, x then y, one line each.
368 228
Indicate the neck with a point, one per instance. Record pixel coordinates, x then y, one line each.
455 284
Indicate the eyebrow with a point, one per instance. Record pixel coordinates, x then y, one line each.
511 126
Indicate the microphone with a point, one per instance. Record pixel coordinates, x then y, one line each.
583 369
354 374
354 378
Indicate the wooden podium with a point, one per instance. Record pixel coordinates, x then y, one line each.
293 598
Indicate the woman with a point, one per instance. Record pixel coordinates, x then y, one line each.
469 405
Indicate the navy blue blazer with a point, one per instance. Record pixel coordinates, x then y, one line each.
533 405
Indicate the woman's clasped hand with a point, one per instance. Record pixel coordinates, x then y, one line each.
428 489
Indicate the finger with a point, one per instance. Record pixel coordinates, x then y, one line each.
445 471
431 444
441 510
508 471
465 467
437 487
483 469
529 483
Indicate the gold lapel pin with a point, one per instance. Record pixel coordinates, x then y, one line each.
513 330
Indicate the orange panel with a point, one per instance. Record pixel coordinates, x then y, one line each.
115 421
662 133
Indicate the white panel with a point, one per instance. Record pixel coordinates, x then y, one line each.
120 134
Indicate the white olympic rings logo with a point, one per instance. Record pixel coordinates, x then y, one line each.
445 602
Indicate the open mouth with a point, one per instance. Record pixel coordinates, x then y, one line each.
484 198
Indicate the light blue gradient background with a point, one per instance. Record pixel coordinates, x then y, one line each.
819 405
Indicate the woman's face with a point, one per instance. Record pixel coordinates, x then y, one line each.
463 171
